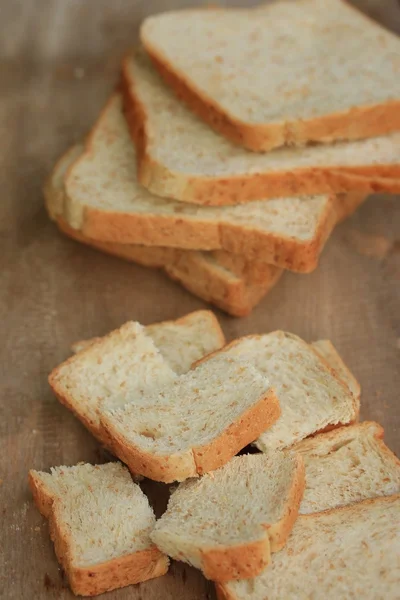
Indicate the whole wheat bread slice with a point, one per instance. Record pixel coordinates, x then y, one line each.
228 522
104 202
212 171
100 523
290 73
347 465
130 356
350 552
195 422
226 280
312 397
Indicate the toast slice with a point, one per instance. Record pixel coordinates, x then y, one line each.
347 465
328 352
100 523
213 171
349 552
226 280
137 358
194 423
278 76
104 202
311 396
228 522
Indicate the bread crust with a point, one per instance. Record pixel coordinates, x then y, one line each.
95 579
197 460
244 561
350 124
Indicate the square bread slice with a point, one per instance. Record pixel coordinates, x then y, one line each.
129 361
100 523
350 552
288 73
328 352
213 171
347 465
229 521
105 202
311 395
226 280
196 422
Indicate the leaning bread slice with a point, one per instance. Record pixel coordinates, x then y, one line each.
290 73
228 522
105 202
311 395
347 465
194 424
326 349
130 361
100 523
213 171
350 552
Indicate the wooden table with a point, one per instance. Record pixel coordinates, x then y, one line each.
59 61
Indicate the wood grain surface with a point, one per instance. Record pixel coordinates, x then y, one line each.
58 62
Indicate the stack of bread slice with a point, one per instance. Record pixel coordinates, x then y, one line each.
237 140
312 511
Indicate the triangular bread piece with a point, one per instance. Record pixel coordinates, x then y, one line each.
228 522
288 73
100 523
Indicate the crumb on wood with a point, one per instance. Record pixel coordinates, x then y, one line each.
370 245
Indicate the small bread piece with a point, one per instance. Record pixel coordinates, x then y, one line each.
278 75
311 395
213 171
350 552
104 202
100 523
347 465
196 423
228 522
129 361
326 349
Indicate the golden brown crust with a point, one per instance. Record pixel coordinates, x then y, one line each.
248 560
96 579
198 460
239 434
351 124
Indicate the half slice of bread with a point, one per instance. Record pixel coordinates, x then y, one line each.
347 465
212 171
105 202
228 522
195 423
100 523
311 395
290 73
129 361
350 552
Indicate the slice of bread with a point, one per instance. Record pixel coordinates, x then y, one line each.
350 552
130 361
347 465
100 523
311 395
278 76
328 352
195 423
213 171
228 522
104 201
